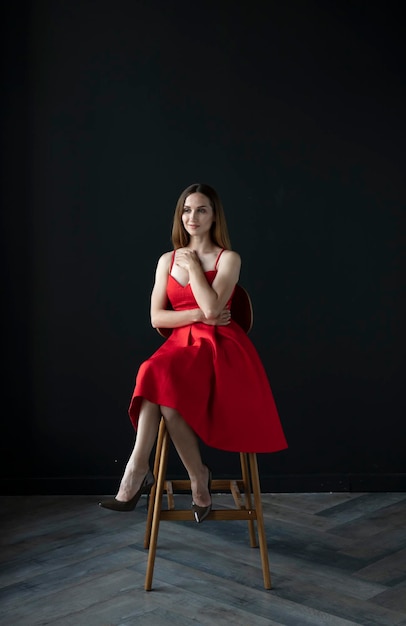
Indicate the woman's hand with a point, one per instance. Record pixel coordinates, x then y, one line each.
221 320
187 259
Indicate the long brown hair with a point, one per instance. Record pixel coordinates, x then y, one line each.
218 232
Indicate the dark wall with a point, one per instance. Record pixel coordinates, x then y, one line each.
295 113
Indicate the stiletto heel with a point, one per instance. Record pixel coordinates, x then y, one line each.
201 512
119 505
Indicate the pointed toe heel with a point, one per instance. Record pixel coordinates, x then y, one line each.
201 512
119 505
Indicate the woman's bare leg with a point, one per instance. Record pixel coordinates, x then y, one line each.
187 446
138 463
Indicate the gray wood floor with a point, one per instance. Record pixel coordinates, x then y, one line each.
336 559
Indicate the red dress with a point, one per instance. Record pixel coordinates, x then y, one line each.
214 377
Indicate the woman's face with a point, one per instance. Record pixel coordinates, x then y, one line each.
197 215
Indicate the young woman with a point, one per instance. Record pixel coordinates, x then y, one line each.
206 380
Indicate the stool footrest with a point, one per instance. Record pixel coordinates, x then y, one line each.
216 514
217 484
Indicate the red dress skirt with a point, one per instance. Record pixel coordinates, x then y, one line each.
215 379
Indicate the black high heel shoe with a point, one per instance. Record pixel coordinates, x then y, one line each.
201 512
119 505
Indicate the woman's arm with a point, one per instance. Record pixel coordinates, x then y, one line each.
211 299
160 316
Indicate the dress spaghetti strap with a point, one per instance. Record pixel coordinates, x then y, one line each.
218 258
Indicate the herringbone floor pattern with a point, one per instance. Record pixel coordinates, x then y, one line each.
336 559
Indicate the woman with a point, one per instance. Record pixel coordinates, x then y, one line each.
206 380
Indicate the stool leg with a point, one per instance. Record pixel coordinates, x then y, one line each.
157 509
260 520
247 494
158 452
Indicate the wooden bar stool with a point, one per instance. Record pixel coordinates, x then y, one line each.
246 491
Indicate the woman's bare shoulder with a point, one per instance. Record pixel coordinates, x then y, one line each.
166 257
163 265
232 257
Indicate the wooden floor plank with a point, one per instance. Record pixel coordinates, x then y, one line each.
363 504
369 524
394 598
381 544
390 570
